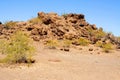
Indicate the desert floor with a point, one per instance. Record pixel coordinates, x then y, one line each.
60 65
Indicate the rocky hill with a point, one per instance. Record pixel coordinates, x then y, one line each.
64 47
51 26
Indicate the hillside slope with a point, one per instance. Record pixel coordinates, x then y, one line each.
52 26
67 48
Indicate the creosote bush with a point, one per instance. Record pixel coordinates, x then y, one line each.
18 49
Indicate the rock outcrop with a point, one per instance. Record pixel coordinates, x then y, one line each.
52 26
69 26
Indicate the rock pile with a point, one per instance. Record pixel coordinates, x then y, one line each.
68 26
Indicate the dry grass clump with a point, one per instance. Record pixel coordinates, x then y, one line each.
100 34
83 41
66 43
52 44
99 44
96 33
10 24
35 20
107 47
18 49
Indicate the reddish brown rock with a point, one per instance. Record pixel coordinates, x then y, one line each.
66 49
90 49
68 26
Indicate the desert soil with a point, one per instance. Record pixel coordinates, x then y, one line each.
60 65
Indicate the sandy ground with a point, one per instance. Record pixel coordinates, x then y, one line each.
73 65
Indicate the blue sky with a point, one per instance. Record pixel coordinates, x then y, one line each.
103 13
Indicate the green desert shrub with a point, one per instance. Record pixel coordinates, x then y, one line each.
35 20
83 41
100 33
107 47
10 24
3 45
18 49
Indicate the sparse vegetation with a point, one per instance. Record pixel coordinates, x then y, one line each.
107 47
3 46
64 14
100 33
35 20
52 44
99 44
91 31
82 41
67 43
10 24
18 49
97 33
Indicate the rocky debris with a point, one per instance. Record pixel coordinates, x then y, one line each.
118 46
68 26
98 52
36 38
80 48
65 49
94 27
25 61
90 49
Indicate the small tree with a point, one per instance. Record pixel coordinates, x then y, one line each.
18 49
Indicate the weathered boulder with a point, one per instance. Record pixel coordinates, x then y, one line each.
94 27
76 16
